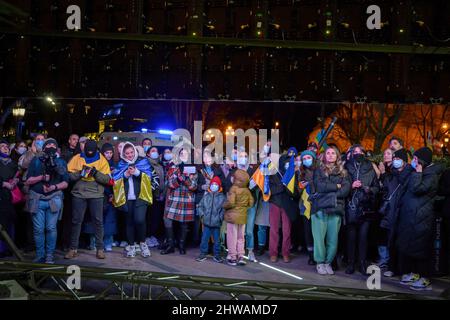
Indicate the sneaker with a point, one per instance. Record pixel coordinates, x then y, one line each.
388 274
137 248
329 269
421 285
145 251
100 254
72 254
39 260
153 242
49 260
241 261
115 244
108 248
123 244
231 262
201 258
409 278
251 256
130 251
273 259
218 259
321 269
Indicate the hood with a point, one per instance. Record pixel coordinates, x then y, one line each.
122 154
241 178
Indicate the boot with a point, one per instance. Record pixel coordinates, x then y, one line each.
363 267
182 245
311 261
350 268
169 248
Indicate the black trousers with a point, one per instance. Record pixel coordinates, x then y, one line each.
357 237
407 264
155 222
307 230
136 222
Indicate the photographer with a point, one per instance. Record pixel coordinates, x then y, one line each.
47 177
90 172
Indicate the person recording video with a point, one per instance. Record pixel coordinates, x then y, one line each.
47 177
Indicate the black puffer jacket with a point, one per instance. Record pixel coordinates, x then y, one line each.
393 188
416 217
444 190
362 200
328 183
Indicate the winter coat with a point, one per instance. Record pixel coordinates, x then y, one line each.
324 184
203 184
239 199
211 210
8 170
444 190
180 197
416 217
361 204
393 188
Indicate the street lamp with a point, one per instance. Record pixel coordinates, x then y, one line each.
18 112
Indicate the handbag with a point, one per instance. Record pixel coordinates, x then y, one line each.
16 194
386 202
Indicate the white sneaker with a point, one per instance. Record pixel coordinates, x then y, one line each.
137 247
145 251
329 269
130 251
410 278
321 269
123 244
152 242
251 256
421 285
388 274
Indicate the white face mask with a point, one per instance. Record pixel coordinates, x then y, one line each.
266 149
242 161
214 187
21 150
167 156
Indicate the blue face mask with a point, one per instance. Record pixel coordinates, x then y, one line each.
214 187
414 164
397 163
154 155
167 156
39 144
146 148
308 163
234 157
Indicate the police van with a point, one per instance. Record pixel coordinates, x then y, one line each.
159 138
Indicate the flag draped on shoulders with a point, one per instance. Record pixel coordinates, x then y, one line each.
98 162
261 178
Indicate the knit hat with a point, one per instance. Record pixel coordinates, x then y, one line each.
401 154
107 147
308 153
313 145
49 141
425 154
216 179
90 148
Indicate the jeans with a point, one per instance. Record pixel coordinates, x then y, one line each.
262 236
250 226
325 228
44 230
235 241
135 220
207 233
79 206
277 216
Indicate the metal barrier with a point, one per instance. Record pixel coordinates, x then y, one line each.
140 285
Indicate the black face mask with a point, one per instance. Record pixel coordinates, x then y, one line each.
50 151
358 157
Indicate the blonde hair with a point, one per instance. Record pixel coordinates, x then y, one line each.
337 167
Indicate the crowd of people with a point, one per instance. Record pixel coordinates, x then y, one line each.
139 197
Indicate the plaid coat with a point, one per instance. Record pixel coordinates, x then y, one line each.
180 198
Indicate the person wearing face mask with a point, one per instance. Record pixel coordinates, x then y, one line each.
146 145
180 202
47 177
228 167
393 184
90 173
206 171
305 185
35 150
155 212
8 181
20 148
211 212
360 207
416 220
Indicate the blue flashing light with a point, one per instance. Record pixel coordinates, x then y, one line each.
167 132
144 130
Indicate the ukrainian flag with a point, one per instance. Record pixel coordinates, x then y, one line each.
289 177
306 205
318 138
261 178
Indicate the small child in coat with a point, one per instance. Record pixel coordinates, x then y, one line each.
211 212
239 200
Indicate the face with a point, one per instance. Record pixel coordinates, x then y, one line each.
82 144
167 151
207 159
120 147
307 158
184 155
147 143
129 153
330 155
387 156
395 145
357 150
154 149
108 154
50 145
39 137
21 145
73 140
4 148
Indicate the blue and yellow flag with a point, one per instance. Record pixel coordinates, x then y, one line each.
261 178
318 138
306 205
289 177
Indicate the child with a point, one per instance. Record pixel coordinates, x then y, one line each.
239 199
211 211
